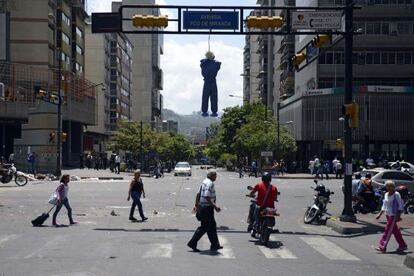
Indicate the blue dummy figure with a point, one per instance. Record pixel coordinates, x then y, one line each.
209 70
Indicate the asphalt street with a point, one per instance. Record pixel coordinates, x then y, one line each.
106 244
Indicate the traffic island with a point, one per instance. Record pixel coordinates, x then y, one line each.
366 223
409 261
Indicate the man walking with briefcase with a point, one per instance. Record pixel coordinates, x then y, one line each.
205 206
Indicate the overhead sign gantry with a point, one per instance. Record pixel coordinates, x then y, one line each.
323 22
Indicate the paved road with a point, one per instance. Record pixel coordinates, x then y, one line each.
102 244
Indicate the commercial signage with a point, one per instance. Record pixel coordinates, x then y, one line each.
266 154
210 20
316 20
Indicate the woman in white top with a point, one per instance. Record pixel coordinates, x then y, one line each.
392 206
63 200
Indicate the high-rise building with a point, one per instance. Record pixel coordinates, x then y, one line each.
383 59
109 61
147 76
40 35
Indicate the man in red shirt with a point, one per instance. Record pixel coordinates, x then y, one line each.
261 189
261 203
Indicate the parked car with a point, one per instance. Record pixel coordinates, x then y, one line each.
379 176
405 167
182 168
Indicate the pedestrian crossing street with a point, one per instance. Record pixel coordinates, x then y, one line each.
318 245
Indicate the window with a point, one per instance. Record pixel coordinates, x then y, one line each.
403 28
79 50
391 58
385 28
329 58
370 58
322 59
384 58
396 176
65 38
79 32
65 19
370 28
407 58
400 58
377 58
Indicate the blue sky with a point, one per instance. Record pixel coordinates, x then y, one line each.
182 53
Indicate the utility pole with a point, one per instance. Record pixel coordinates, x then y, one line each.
347 213
59 105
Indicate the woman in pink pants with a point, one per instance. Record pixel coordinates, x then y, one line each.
392 206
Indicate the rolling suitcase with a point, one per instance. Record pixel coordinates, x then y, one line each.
42 218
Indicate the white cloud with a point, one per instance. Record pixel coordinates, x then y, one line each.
99 6
183 83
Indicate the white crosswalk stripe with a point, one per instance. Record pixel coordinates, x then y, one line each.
226 252
329 249
159 250
277 253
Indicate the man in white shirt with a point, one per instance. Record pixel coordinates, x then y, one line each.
205 213
117 163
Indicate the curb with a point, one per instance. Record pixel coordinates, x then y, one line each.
409 261
102 178
355 228
292 177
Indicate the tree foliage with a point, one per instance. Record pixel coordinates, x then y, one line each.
169 146
243 131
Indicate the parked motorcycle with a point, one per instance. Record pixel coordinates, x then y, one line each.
360 206
408 199
11 172
321 200
264 227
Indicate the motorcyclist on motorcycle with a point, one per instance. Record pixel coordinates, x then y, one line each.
367 194
262 189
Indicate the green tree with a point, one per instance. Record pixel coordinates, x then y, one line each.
175 147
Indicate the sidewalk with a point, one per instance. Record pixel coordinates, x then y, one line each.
300 176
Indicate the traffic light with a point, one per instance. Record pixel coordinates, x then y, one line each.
339 142
352 111
320 40
40 93
140 20
298 59
52 137
263 22
64 137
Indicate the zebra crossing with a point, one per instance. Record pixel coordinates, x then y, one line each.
320 245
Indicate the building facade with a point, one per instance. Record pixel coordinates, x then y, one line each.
383 79
146 100
40 37
109 61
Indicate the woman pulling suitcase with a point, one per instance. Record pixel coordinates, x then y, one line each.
62 199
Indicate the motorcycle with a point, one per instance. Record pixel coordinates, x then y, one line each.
11 172
321 200
264 227
359 205
408 199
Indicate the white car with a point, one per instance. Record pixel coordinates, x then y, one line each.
182 168
379 176
405 167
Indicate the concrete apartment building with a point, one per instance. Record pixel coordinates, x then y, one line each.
35 37
147 76
383 75
109 60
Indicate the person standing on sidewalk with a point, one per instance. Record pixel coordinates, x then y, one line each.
62 195
392 206
136 189
117 163
205 214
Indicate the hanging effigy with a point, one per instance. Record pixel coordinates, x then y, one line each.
209 69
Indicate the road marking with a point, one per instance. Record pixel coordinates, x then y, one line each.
6 238
159 250
277 253
329 249
54 241
225 253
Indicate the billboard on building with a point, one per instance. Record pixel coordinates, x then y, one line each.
3 36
